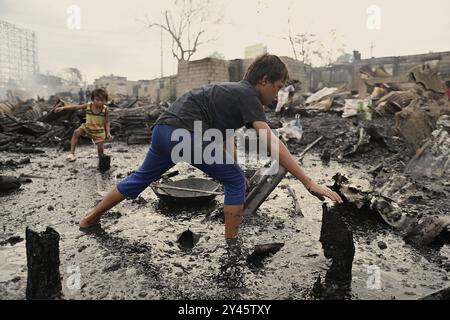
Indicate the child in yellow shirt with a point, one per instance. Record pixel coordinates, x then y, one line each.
97 126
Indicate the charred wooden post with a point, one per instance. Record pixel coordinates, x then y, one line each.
104 163
337 243
43 280
262 251
8 183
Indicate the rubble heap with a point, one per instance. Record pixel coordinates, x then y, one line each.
33 124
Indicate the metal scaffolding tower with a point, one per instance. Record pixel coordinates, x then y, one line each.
18 54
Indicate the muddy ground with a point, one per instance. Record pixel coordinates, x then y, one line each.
134 254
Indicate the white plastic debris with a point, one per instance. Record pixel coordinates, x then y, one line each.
354 106
292 130
282 99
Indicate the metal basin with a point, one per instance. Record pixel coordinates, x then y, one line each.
187 197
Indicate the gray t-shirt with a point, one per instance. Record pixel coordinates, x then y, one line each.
228 105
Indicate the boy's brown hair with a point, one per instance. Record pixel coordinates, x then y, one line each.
266 65
100 93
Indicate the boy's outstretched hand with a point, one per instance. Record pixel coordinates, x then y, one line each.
59 109
321 192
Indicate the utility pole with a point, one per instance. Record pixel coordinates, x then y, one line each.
258 19
162 54
371 50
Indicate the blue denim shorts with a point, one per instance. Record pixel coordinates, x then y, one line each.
159 159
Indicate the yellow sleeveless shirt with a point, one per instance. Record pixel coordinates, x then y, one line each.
95 123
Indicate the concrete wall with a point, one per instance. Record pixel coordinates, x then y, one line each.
194 74
298 71
236 70
197 73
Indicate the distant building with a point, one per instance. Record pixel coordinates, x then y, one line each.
158 90
18 55
116 85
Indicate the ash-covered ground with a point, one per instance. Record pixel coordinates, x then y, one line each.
340 254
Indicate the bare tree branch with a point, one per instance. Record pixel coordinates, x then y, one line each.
191 52
186 26
291 39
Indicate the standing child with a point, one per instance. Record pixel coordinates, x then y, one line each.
97 126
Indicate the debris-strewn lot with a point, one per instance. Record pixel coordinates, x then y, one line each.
386 154
135 254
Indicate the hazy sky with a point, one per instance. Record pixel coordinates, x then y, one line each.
113 38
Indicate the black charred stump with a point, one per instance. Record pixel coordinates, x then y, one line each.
104 163
326 156
65 146
10 183
261 252
337 242
43 280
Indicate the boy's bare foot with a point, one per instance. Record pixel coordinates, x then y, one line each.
71 157
88 221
